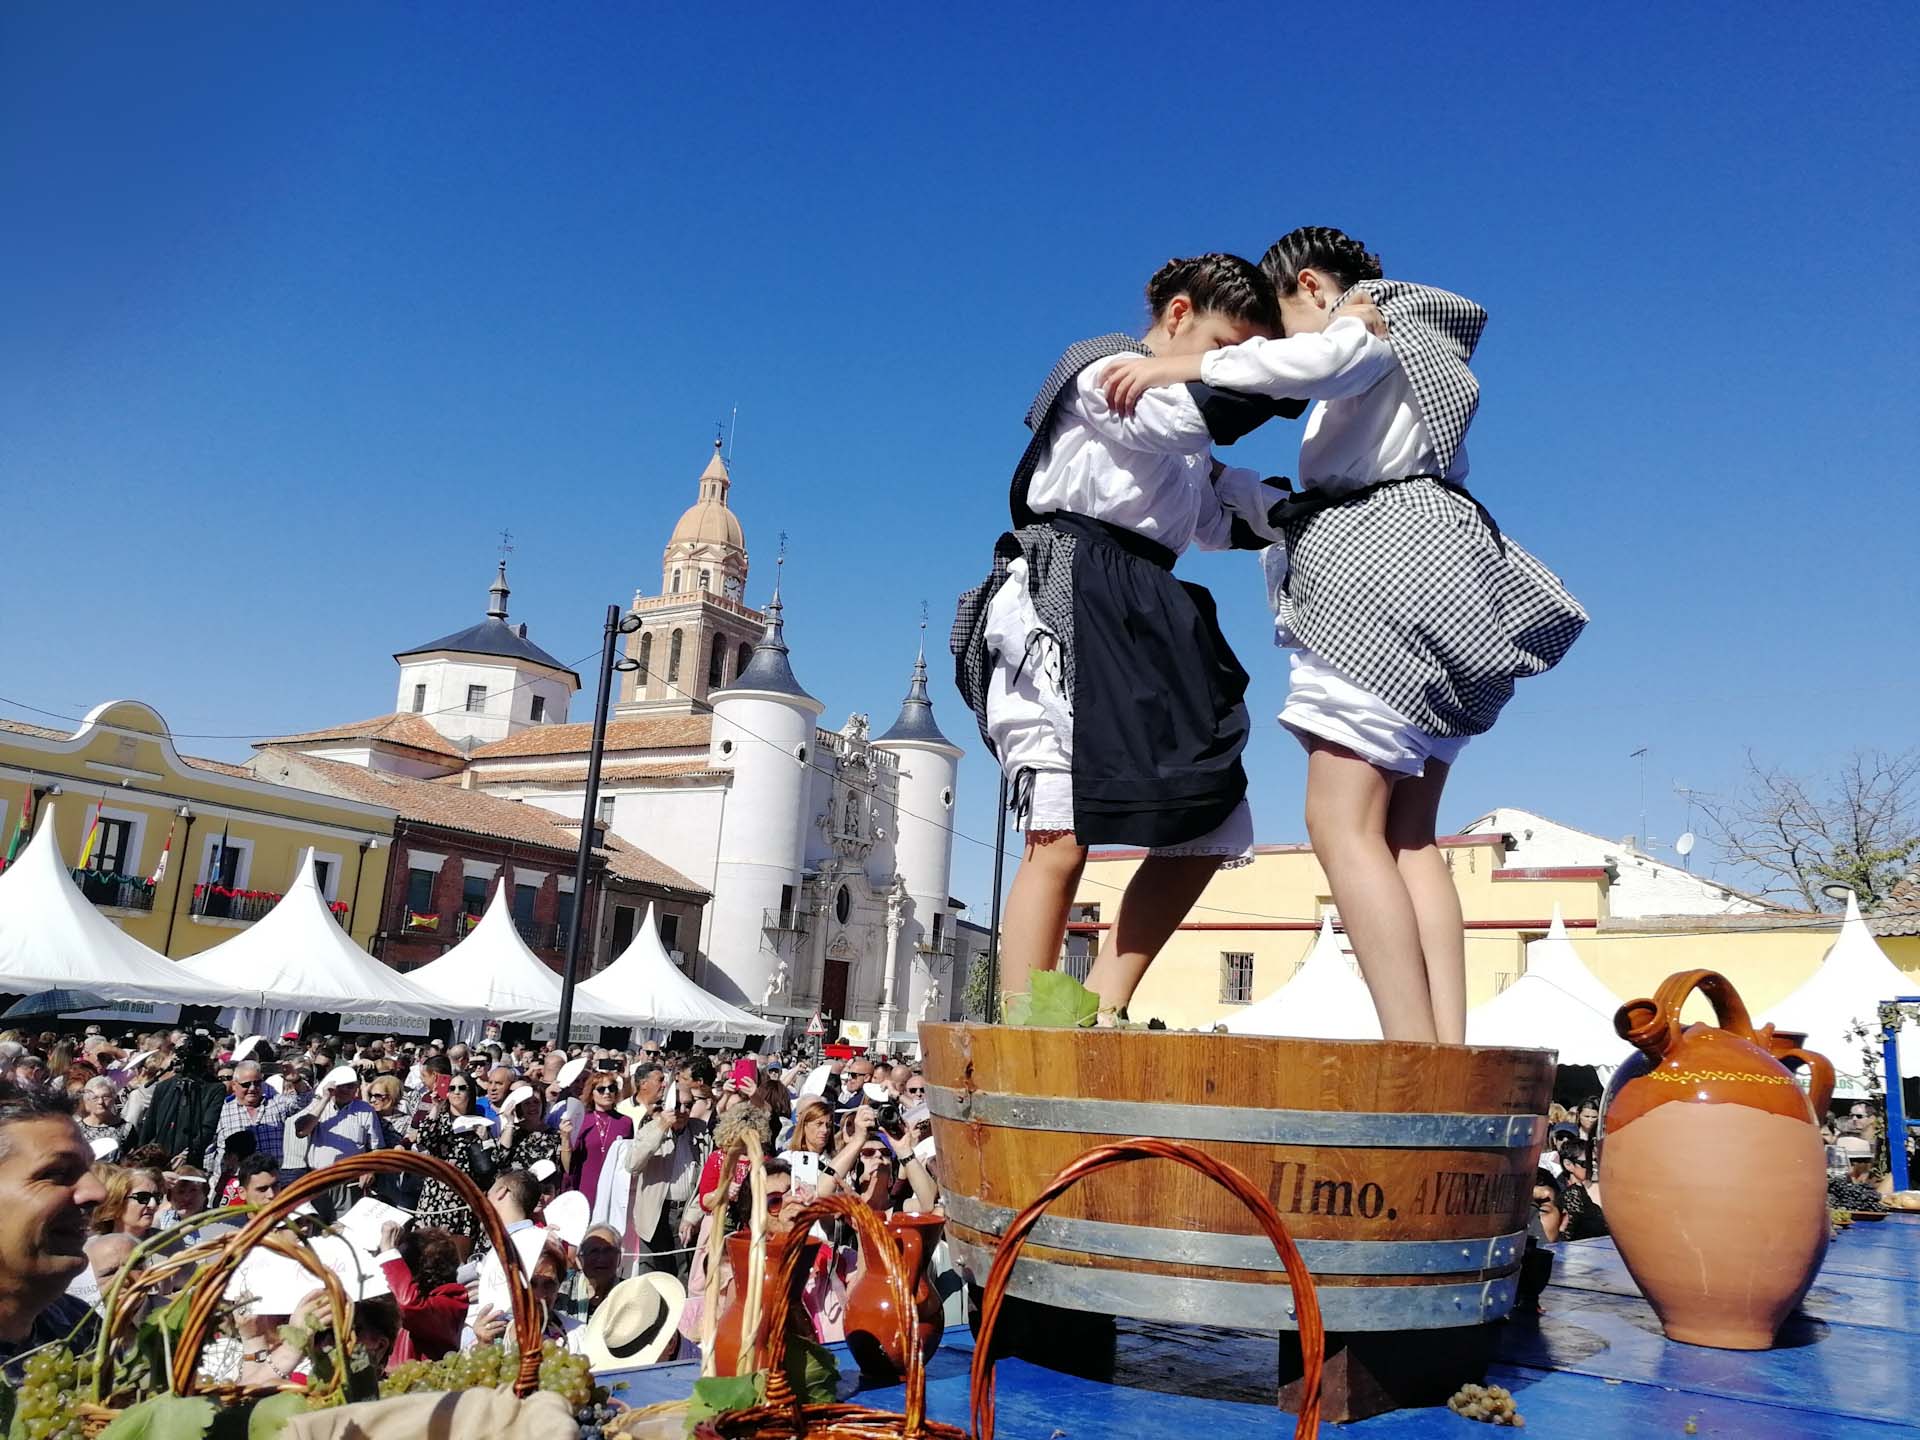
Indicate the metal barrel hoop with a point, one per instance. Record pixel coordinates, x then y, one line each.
1107 1157
210 1287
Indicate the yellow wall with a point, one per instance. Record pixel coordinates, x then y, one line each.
124 755
1244 910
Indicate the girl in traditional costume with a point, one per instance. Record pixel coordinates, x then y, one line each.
1102 684
1410 615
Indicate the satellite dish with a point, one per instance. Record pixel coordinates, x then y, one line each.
1684 845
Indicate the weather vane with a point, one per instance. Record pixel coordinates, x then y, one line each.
506 543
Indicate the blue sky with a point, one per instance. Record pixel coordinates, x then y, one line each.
302 304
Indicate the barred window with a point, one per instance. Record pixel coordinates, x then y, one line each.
1236 977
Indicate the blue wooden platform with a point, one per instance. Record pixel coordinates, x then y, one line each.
1594 1366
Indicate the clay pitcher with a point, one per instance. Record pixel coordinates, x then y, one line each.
728 1343
1789 1047
1714 1176
874 1334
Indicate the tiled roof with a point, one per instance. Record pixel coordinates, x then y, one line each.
649 732
491 637
38 732
577 773
220 767
1899 913
412 731
478 813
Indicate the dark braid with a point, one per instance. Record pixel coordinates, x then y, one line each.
1222 284
1318 247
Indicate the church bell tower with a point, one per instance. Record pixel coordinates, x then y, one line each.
697 632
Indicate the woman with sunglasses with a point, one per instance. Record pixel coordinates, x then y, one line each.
600 1128
132 1202
450 1134
872 1163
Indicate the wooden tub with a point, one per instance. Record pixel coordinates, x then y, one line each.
1404 1171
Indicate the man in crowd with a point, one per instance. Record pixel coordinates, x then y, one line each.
251 1110
185 1110
47 1194
513 1195
500 1079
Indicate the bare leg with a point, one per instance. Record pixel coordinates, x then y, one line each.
1035 925
1158 898
1347 803
1412 816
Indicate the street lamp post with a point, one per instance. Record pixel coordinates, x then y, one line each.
617 625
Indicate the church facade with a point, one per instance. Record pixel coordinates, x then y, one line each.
827 851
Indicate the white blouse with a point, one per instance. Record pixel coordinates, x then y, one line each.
1149 472
1367 426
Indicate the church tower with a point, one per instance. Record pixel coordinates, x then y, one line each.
923 854
697 633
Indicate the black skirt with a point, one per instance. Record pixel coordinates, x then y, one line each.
1159 700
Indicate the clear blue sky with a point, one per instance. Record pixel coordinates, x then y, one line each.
301 304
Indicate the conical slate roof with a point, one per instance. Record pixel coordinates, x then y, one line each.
493 971
1558 1004
768 668
1852 980
916 724
493 636
644 988
1325 1001
52 938
296 957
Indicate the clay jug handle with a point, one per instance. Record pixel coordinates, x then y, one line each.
1819 1074
1653 1026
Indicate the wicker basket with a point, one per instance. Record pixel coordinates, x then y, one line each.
216 1260
784 1416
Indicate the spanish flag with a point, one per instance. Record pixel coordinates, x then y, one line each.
93 835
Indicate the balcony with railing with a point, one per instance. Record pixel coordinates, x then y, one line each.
243 907
112 891
539 934
788 920
938 947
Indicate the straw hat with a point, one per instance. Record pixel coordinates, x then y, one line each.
636 1323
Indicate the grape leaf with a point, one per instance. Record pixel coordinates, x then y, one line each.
1061 1001
718 1394
813 1371
270 1416
164 1417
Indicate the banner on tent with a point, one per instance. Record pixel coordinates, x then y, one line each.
578 1034
384 1024
149 1011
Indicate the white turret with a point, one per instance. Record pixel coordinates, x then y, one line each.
923 850
763 726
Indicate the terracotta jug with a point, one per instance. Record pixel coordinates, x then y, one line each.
1789 1047
873 1328
1713 1173
728 1343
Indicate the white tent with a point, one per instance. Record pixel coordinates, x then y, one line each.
1558 1004
643 987
297 957
1326 1000
1852 980
52 938
494 973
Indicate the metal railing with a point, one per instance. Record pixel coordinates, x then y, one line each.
117 892
539 934
213 903
943 946
785 921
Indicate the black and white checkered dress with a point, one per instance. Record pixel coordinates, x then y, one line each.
1406 584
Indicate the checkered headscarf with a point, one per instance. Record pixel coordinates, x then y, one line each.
1433 334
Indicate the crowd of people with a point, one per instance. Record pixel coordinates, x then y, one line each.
604 1168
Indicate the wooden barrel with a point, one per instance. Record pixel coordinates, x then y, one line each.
1404 1171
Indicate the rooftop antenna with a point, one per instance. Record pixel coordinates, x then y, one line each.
1688 839
1641 756
733 430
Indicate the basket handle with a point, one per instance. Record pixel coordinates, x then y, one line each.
211 1287
879 1248
1653 1026
1313 1340
749 1147
1820 1077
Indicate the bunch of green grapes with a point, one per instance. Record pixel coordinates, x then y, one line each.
567 1375
1489 1404
489 1367
47 1406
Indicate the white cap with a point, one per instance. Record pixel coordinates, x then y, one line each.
572 1071
340 1075
543 1170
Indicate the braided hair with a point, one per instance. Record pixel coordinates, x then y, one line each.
1217 283
1318 247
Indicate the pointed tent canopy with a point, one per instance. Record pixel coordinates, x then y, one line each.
1558 1004
52 938
1325 1001
1852 980
643 987
296 957
493 971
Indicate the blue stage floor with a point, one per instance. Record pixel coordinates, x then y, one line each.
1593 1367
